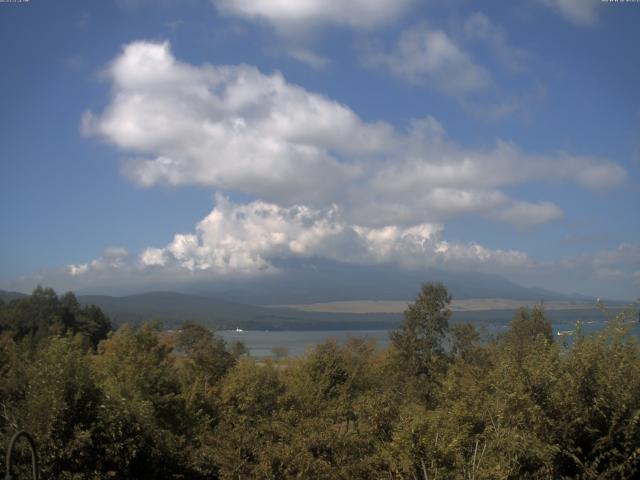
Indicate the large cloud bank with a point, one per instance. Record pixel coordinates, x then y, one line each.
322 181
236 129
244 239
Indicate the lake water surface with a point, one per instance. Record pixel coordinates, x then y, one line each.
261 343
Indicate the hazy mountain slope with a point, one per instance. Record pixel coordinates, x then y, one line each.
323 281
174 308
8 296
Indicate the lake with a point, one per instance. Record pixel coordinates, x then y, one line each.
298 342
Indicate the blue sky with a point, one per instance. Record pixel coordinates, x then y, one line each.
206 139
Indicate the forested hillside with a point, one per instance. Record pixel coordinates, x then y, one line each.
142 403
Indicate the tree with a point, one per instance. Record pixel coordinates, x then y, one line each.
92 323
55 397
525 327
464 341
597 404
247 431
44 314
209 358
144 422
419 342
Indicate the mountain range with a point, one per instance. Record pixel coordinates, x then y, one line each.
241 303
319 280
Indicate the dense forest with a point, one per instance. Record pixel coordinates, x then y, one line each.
441 402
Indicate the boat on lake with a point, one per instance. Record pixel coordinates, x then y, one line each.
565 332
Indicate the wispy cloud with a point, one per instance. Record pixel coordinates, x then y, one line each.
429 57
304 55
479 28
447 60
583 13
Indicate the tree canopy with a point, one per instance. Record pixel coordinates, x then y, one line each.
439 402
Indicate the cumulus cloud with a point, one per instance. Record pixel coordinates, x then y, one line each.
230 127
288 15
440 179
580 12
238 130
113 259
242 238
259 234
430 57
247 239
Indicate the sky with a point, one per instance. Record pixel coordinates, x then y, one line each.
148 142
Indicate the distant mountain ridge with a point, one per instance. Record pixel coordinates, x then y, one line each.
238 303
318 280
8 296
174 308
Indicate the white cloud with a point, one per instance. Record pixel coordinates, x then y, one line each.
439 179
246 239
288 15
315 61
626 256
430 57
579 12
230 127
479 27
445 61
504 164
526 214
237 130
112 259
475 256
243 238
258 234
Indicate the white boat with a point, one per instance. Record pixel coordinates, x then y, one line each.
566 332
239 330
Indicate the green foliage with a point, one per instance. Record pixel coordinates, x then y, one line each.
145 421
52 394
438 403
44 313
600 406
525 327
419 342
206 357
249 401
420 337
